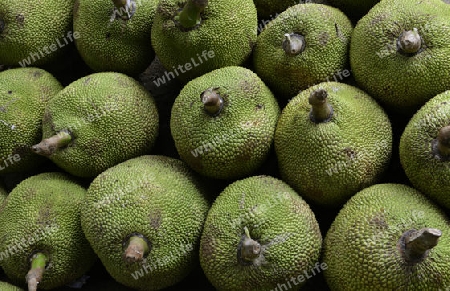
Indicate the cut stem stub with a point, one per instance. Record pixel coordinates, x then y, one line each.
50 145
409 42
293 44
212 101
136 250
443 142
416 244
321 110
250 248
190 15
34 275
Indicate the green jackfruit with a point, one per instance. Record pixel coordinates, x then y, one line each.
144 219
388 237
331 141
115 36
223 123
399 53
98 121
24 93
40 232
4 286
201 35
35 33
305 45
425 149
259 233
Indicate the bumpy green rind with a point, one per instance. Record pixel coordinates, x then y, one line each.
120 45
157 197
361 247
277 217
327 36
269 9
234 143
4 286
428 172
227 30
111 117
328 162
24 93
401 83
34 29
42 214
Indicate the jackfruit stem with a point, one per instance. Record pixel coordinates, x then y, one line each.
136 250
419 242
410 42
190 16
321 111
50 145
250 248
34 275
212 101
443 141
293 44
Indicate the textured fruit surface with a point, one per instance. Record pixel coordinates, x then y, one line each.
235 142
110 43
110 117
328 162
4 286
427 170
24 93
276 217
158 198
42 214
34 32
402 82
326 32
362 248
227 32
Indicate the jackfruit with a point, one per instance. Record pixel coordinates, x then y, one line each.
96 122
35 33
259 233
24 93
425 149
305 45
41 236
388 237
399 53
4 286
201 35
331 141
144 218
115 34
269 9
223 123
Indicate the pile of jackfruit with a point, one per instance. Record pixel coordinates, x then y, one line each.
218 145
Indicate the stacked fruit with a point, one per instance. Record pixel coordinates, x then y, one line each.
166 140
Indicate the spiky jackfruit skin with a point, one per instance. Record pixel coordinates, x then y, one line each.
269 9
36 31
328 162
42 214
114 44
4 286
24 93
157 197
326 31
237 141
400 83
427 170
111 118
277 218
227 32
362 251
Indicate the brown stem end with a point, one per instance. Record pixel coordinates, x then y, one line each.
409 42
50 145
212 101
293 44
34 275
136 250
321 110
418 243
